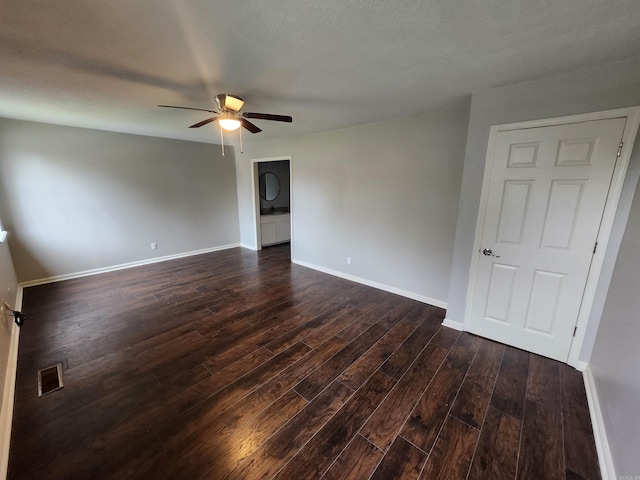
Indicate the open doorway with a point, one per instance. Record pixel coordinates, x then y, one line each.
272 205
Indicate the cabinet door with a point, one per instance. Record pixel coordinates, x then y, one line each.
268 233
283 229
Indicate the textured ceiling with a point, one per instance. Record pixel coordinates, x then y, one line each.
106 64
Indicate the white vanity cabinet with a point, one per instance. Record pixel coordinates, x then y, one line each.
275 228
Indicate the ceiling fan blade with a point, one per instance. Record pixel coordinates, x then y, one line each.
204 122
268 116
250 126
188 108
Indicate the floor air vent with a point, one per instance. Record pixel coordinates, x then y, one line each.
50 380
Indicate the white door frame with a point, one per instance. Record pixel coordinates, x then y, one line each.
256 196
619 173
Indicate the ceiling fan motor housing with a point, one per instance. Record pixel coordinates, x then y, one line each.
229 103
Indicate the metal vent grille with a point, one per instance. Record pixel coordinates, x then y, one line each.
50 379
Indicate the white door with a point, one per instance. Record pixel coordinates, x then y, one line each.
546 195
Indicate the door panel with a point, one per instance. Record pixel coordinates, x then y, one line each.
546 195
562 213
513 211
500 292
543 304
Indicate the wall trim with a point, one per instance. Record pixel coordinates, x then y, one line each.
371 283
447 322
8 395
122 266
249 247
607 470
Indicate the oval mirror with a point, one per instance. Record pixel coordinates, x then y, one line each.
269 186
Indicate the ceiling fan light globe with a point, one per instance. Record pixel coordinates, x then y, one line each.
229 124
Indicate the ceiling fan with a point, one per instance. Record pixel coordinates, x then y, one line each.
229 117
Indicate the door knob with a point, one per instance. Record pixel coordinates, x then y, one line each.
489 253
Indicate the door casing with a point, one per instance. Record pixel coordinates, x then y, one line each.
633 120
256 195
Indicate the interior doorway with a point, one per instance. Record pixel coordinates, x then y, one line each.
272 200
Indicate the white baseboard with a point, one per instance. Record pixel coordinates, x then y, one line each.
580 366
6 410
250 247
113 268
607 470
447 322
370 283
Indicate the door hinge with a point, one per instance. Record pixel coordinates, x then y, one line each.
595 247
620 149
574 331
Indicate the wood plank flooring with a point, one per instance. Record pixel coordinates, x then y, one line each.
241 365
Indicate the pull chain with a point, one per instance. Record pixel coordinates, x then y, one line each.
221 139
241 151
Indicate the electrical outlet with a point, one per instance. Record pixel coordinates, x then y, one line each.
348 260
154 246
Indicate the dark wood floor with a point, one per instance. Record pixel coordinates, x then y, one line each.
242 365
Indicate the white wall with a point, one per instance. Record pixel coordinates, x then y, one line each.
77 199
385 194
8 289
616 354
